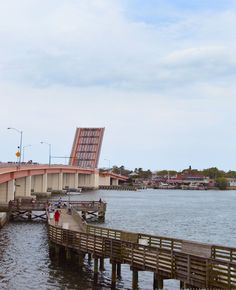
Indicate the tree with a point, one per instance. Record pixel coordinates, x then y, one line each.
213 173
222 183
231 174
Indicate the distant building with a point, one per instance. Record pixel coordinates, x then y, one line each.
86 147
232 182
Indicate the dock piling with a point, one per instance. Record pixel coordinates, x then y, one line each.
134 279
113 276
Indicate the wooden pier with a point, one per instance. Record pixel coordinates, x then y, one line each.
31 209
195 265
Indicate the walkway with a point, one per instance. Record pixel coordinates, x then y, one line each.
67 221
196 265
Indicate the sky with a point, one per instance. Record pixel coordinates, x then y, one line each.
159 75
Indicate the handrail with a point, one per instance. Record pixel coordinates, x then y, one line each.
198 271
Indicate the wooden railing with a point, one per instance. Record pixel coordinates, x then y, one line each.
83 205
27 205
195 270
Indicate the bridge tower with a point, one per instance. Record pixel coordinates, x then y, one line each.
86 147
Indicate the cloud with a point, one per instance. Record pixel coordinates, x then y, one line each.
93 43
160 84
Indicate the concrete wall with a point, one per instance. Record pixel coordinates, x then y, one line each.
114 181
3 192
53 181
20 187
85 180
69 180
37 183
23 186
104 180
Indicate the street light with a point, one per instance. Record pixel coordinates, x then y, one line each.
49 152
21 136
109 162
23 153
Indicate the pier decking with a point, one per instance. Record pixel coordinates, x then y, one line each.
195 265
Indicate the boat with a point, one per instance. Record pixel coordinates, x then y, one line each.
74 192
163 185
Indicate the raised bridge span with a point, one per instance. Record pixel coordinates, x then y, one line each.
24 180
195 265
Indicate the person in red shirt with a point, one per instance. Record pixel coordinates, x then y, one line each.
56 217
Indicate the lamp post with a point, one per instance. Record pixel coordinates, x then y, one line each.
109 163
21 137
23 152
49 151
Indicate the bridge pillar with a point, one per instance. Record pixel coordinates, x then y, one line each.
28 186
96 180
134 279
114 181
3 192
45 183
113 275
10 190
76 180
60 181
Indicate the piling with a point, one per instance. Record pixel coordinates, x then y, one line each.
134 279
95 270
113 275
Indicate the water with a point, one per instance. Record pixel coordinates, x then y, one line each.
205 216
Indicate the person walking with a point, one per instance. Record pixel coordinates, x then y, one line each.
57 217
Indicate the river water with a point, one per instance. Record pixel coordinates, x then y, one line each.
205 216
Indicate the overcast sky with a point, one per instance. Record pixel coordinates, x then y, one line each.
159 75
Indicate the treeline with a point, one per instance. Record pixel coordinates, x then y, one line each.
212 173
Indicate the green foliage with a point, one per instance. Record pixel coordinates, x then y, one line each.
222 183
231 174
213 173
121 170
166 172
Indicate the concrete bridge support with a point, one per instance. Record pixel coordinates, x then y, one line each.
104 180
23 186
3 192
76 178
45 183
10 190
114 181
88 180
69 180
54 181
